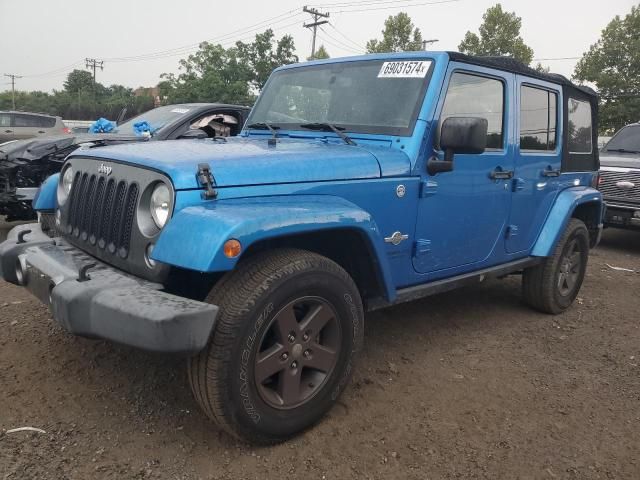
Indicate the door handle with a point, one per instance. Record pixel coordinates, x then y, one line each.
8 131
499 174
550 172
41 131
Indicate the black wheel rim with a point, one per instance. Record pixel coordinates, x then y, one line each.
570 267
297 352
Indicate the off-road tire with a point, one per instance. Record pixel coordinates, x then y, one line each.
540 284
222 375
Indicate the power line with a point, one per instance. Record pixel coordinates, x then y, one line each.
408 5
355 44
359 3
56 71
13 87
220 38
342 44
317 15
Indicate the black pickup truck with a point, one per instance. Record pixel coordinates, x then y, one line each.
620 178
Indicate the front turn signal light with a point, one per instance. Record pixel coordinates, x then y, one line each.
232 248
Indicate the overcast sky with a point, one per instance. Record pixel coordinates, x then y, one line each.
43 40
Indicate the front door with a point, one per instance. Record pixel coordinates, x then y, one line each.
537 169
462 214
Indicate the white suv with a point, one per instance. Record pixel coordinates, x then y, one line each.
20 125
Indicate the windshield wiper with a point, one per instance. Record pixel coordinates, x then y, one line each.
329 127
265 126
621 150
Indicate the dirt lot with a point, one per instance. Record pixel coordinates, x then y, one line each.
469 384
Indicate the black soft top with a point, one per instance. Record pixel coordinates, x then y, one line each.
510 64
571 162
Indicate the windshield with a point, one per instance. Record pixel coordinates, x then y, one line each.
156 118
370 96
627 139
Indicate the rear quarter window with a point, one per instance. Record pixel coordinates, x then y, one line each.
580 128
538 117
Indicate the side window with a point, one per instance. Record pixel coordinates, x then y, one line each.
475 96
579 126
5 120
20 120
538 116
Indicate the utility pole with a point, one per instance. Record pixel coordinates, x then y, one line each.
13 87
315 24
426 42
93 63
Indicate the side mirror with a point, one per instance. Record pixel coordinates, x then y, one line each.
459 135
463 135
194 133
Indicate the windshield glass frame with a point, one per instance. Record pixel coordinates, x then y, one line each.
348 128
144 117
614 148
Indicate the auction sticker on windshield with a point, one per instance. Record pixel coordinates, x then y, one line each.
405 69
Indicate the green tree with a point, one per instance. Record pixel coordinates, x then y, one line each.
399 35
78 80
213 73
613 65
265 54
499 35
320 54
229 75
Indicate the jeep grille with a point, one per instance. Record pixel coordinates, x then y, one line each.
101 212
611 191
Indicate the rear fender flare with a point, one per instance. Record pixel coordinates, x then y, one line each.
561 212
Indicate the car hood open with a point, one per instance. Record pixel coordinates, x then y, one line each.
253 161
38 148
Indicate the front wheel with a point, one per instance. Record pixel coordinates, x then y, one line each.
289 326
552 286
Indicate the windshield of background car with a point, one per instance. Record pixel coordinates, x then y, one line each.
370 96
156 118
627 139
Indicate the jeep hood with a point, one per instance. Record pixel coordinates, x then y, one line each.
622 160
252 161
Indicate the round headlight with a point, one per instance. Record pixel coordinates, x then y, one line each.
160 201
65 185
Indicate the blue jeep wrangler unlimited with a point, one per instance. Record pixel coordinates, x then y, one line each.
356 184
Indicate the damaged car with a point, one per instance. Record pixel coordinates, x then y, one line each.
25 164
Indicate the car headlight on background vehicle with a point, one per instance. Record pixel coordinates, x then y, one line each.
160 202
65 185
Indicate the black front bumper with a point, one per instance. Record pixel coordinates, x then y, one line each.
108 304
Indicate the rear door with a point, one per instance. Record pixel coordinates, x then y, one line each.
537 160
28 126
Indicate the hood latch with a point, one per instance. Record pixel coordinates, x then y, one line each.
205 178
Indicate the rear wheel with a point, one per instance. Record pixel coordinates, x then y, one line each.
289 327
552 286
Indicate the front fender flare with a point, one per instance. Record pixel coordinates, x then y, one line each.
561 212
194 237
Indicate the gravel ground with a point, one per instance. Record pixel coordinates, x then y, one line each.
468 384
